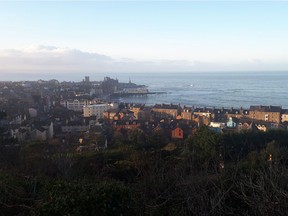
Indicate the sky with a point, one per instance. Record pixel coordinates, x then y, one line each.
142 36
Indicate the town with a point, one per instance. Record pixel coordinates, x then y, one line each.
71 148
143 108
50 110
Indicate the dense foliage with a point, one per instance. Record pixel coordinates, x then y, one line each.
139 175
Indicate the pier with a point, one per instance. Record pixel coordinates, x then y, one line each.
126 94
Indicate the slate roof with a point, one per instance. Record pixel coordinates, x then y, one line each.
166 106
137 105
41 129
187 109
203 109
266 108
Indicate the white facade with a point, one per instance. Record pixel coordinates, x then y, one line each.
95 110
284 117
217 124
49 130
75 105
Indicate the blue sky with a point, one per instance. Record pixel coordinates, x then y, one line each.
125 36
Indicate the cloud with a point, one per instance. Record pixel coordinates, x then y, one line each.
52 59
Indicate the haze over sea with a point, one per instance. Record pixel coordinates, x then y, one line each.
219 89
214 89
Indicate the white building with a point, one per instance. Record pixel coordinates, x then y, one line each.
75 105
217 124
97 109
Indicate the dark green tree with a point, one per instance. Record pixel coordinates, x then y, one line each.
206 148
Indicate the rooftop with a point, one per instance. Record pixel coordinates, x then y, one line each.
266 108
166 106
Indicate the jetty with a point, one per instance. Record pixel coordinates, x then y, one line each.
133 94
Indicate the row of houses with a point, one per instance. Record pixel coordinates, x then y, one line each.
262 115
179 120
273 114
236 125
177 129
180 129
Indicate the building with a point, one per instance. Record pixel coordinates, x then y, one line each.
87 79
237 113
145 114
135 109
221 114
20 133
186 113
177 133
75 105
110 114
284 115
42 131
97 110
74 127
263 125
109 85
217 124
125 124
246 124
38 134
266 113
207 112
232 122
166 111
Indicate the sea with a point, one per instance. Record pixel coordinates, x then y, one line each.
210 89
235 89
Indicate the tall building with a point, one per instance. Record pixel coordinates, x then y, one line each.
87 79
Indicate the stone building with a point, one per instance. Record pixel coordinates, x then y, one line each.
166 111
266 113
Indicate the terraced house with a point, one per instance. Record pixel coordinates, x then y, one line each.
166 111
266 113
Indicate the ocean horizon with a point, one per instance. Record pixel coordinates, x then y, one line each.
237 89
198 89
